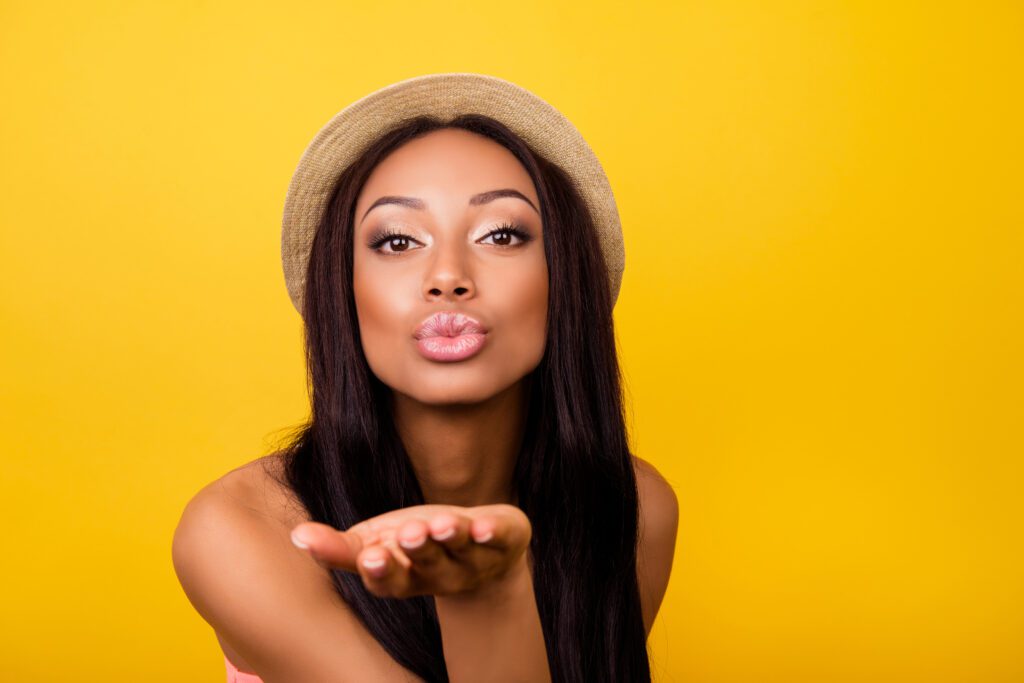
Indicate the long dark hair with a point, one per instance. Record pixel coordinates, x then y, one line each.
574 475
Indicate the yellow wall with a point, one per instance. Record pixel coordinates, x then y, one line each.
820 319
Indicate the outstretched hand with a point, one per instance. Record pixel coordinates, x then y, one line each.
424 549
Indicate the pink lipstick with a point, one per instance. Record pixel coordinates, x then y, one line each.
450 336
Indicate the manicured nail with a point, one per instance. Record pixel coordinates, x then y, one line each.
299 543
375 567
485 537
411 543
444 535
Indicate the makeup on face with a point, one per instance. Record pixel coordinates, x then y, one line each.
449 275
449 336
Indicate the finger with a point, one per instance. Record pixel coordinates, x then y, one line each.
381 573
451 531
327 545
399 554
369 534
506 528
414 538
375 566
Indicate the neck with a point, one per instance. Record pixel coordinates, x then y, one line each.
464 454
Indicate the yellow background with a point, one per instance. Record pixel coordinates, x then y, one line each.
820 320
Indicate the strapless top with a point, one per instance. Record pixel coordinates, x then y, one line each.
236 676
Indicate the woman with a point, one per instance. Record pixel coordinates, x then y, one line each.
462 504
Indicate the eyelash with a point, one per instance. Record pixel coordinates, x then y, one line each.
387 234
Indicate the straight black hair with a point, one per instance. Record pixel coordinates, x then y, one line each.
574 473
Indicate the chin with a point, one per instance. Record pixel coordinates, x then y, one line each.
446 396
447 386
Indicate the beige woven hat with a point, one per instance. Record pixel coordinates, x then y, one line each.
444 95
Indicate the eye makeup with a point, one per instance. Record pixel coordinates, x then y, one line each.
388 234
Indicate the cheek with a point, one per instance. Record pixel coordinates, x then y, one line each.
526 312
380 308
515 297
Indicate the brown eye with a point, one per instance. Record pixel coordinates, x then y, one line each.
398 241
394 242
504 233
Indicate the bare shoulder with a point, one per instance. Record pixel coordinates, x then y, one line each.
272 607
260 487
659 523
657 496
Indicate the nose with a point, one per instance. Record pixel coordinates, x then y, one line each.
448 276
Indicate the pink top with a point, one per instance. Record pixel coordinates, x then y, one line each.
236 676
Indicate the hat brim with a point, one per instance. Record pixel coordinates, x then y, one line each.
445 96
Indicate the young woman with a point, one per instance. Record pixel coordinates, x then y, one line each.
462 504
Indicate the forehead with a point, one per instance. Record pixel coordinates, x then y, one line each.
450 161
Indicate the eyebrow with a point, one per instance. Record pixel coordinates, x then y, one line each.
475 200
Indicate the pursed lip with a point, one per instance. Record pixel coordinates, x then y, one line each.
448 324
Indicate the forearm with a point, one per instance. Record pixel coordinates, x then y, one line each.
494 634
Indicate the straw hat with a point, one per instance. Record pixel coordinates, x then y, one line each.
444 95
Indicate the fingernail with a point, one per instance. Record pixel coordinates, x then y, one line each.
375 567
485 537
299 543
412 542
442 535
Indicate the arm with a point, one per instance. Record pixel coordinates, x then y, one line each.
659 523
269 601
494 634
497 636
474 561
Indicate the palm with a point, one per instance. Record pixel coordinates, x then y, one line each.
463 549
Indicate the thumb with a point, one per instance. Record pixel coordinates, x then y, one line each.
327 545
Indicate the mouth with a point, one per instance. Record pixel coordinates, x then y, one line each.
450 336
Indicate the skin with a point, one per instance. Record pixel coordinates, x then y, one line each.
461 423
237 565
